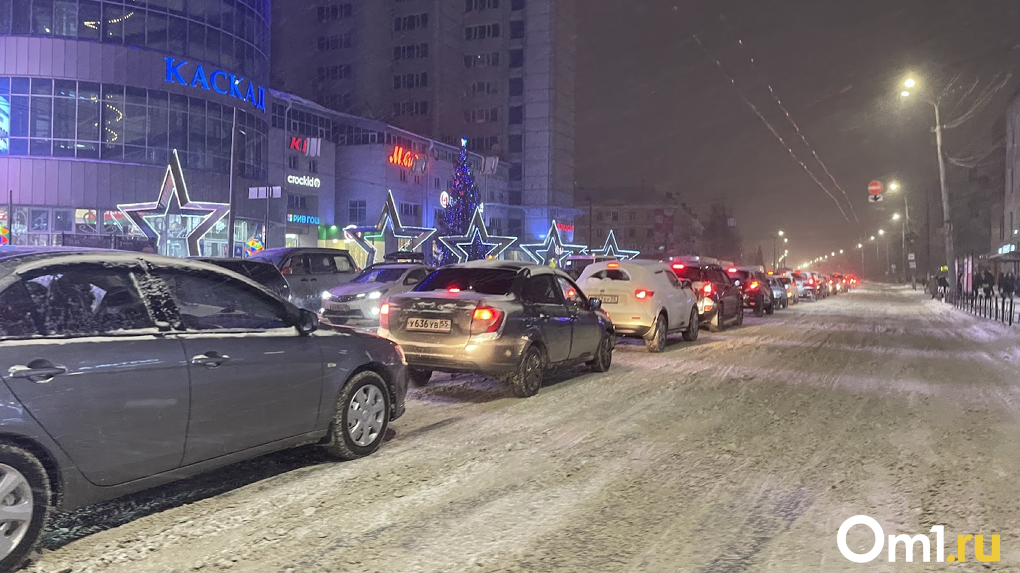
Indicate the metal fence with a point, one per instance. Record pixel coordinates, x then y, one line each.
1000 309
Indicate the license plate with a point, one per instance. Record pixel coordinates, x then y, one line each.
338 307
428 325
610 299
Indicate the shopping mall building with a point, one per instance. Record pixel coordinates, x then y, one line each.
99 98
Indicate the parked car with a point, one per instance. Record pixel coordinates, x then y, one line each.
310 271
122 371
262 272
505 319
645 299
754 286
720 302
807 287
358 302
779 293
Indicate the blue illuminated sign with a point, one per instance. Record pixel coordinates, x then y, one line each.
5 125
303 219
219 81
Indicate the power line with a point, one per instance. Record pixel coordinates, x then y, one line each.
772 129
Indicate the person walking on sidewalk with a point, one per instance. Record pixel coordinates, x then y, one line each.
1009 285
988 283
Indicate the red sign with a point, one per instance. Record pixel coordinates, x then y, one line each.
403 157
565 227
875 187
299 144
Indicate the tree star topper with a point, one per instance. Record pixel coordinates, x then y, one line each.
173 195
390 218
553 251
477 231
612 249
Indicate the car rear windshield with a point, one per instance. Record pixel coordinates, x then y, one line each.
484 281
738 275
611 274
800 277
380 275
785 281
693 274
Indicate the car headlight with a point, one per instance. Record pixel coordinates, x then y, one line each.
375 295
326 294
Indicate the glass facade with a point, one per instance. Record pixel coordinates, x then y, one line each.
66 118
233 34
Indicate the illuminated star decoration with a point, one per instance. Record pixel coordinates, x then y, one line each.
477 234
553 251
254 244
5 236
612 249
173 196
389 219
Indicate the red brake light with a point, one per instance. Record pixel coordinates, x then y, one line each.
753 285
453 289
384 316
613 265
642 294
811 281
678 267
707 289
485 320
733 270
771 273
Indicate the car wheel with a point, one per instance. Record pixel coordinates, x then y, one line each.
604 354
419 378
691 334
772 308
25 496
526 380
740 315
362 415
759 309
718 323
655 341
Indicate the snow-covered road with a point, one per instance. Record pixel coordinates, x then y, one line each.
744 451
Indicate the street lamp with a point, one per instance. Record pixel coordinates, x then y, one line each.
946 211
775 246
841 251
896 217
881 231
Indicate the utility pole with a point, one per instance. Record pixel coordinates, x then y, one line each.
230 200
947 223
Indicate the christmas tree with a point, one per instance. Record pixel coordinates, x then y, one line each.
464 200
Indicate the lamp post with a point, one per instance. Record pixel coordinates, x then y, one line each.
775 247
894 186
947 223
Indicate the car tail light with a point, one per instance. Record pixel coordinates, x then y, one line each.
453 289
642 294
486 319
753 285
830 281
613 265
384 316
707 289
811 282
678 266
733 270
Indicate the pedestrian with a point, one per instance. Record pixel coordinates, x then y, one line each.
943 286
988 283
1010 285
1001 283
933 286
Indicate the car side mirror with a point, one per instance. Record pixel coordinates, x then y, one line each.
412 281
307 322
595 304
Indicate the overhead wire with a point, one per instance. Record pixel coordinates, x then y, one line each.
789 117
770 127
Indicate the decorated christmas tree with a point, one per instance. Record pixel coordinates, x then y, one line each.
464 200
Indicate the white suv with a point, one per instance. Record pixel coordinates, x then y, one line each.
644 298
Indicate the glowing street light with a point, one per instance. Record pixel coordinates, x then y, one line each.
873 237
781 233
894 186
896 217
910 83
841 251
904 93
881 231
860 245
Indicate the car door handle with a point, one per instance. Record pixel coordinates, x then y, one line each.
209 359
39 371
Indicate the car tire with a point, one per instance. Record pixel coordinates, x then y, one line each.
740 315
30 491
691 334
526 380
361 418
655 340
603 354
718 323
419 378
771 308
759 309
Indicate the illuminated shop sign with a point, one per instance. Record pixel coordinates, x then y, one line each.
403 157
218 81
565 227
302 219
1006 249
310 146
306 181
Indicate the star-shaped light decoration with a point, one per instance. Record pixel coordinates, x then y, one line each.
389 219
174 199
477 233
553 251
612 249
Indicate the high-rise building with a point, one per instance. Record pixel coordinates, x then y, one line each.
497 72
